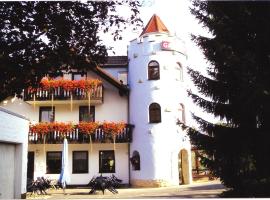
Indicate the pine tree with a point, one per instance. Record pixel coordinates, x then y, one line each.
237 91
37 37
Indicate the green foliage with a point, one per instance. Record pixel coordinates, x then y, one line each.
41 37
238 86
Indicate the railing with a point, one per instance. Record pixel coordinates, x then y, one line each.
76 137
59 93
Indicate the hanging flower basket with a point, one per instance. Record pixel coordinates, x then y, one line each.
113 128
69 85
49 127
88 127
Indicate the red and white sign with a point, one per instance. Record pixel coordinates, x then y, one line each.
172 46
165 45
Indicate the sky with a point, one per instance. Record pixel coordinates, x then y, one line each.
176 16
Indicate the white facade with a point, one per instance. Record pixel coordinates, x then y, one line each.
164 149
121 160
157 143
13 154
114 108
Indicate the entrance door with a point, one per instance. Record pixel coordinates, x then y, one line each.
180 168
30 165
184 166
7 171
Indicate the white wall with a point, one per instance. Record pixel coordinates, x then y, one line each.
157 143
14 130
113 108
114 71
121 161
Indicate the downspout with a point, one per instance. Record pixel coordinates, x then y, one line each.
129 173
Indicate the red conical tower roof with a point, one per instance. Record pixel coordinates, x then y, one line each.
155 25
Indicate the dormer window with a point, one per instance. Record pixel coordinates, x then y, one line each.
153 70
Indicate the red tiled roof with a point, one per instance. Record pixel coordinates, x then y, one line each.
155 25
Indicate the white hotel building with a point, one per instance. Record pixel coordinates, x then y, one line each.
145 90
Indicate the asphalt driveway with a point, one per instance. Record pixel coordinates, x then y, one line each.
196 190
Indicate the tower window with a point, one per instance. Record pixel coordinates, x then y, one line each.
182 113
180 72
135 161
154 113
153 70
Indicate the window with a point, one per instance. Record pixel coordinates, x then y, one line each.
53 162
106 162
153 70
122 77
46 114
78 76
80 162
135 161
182 113
85 115
180 72
154 113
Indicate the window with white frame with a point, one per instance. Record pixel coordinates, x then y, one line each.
179 74
181 110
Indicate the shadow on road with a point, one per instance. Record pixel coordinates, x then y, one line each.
207 187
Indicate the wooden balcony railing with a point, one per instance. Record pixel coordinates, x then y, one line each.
76 137
60 93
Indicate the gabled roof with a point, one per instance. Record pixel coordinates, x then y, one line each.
155 25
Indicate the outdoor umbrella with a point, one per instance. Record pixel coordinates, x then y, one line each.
64 176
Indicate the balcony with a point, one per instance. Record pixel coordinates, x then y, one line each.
65 91
75 136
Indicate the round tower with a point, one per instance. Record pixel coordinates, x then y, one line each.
160 151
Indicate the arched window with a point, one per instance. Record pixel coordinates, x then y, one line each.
135 161
154 113
182 113
180 72
153 70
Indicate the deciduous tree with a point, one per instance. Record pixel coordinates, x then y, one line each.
41 37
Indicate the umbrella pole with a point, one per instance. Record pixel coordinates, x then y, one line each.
64 189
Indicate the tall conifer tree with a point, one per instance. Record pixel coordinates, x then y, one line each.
238 86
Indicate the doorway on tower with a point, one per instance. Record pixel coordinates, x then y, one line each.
199 171
183 166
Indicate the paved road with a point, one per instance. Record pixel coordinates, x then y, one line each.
196 190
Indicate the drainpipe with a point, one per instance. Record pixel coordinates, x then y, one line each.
129 184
